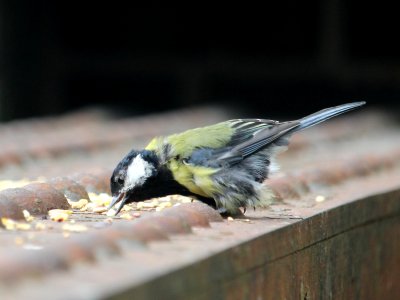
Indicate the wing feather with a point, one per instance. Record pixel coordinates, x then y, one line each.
224 143
246 128
258 136
250 136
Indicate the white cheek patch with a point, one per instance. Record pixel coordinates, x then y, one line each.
138 171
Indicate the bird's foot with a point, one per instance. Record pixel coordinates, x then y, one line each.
225 213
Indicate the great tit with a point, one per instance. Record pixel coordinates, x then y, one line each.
223 165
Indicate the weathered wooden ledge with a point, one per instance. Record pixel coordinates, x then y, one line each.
334 233
345 247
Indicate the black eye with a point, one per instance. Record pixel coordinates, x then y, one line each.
120 180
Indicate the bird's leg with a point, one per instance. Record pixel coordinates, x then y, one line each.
225 214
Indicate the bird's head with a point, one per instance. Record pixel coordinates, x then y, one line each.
134 177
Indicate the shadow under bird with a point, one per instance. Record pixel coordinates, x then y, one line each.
223 165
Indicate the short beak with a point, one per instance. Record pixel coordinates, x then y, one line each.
122 197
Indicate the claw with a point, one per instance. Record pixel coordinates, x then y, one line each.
224 213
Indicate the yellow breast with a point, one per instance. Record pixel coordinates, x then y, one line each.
196 179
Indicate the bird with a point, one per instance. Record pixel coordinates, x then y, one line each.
223 165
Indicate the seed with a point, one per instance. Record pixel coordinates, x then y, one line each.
126 216
102 199
99 209
10 224
59 215
78 204
74 227
111 213
27 216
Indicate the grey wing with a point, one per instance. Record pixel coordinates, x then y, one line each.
260 137
251 135
246 128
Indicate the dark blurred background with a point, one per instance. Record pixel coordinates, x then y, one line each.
289 58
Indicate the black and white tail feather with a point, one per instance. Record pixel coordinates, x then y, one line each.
249 158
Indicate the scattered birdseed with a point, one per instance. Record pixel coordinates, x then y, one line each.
151 204
85 208
102 199
186 199
111 213
90 207
166 204
7 184
99 204
126 216
74 227
127 208
165 199
59 215
99 209
320 198
78 204
139 205
27 216
10 224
